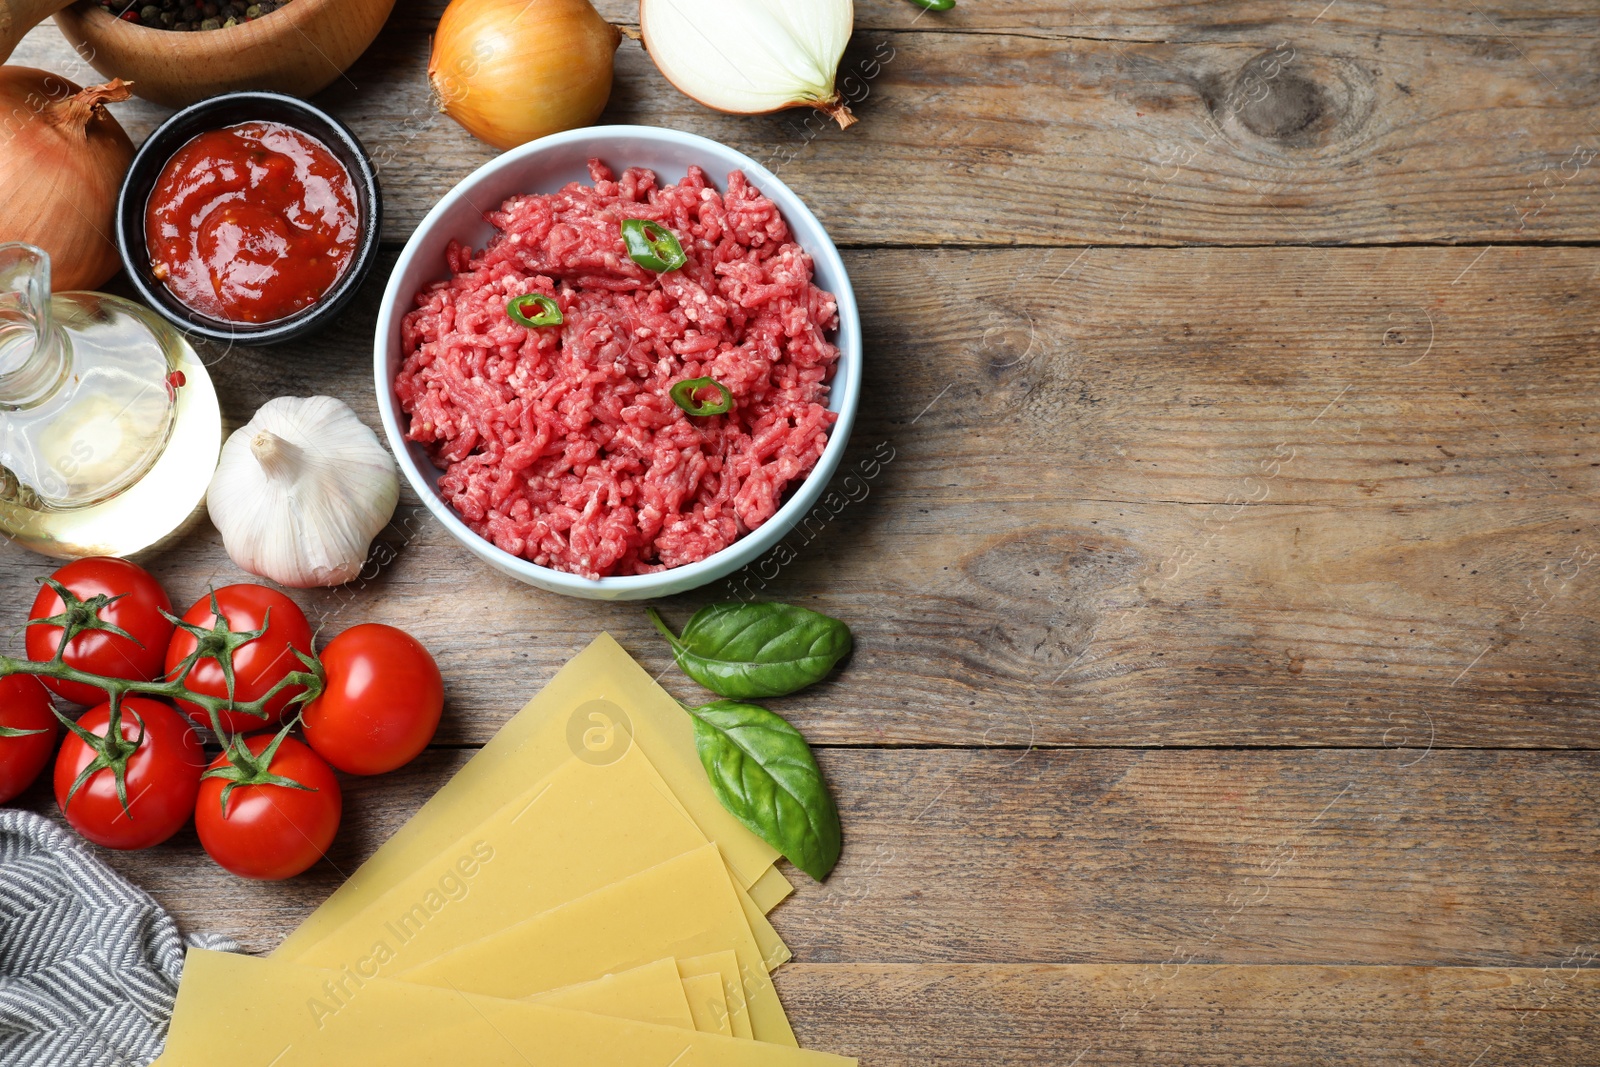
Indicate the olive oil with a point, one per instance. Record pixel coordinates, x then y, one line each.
109 425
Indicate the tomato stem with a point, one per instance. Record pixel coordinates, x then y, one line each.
247 769
311 679
111 752
78 615
218 642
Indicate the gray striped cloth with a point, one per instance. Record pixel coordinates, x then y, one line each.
89 964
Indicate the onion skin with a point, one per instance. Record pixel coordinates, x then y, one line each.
510 71
62 160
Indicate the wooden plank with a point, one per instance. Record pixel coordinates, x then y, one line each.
1156 857
1174 497
1129 490
1098 1016
1365 857
1244 125
1230 20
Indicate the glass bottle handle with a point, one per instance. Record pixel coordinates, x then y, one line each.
32 362
24 303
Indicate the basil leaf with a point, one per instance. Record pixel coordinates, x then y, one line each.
763 772
749 651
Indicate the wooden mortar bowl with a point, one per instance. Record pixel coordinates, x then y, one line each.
298 49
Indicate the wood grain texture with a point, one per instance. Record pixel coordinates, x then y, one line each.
1229 20
1149 857
1147 497
1198 1016
1231 124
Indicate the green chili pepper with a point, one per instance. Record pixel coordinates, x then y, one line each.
549 314
935 5
683 395
652 245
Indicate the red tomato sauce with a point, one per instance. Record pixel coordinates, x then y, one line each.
252 223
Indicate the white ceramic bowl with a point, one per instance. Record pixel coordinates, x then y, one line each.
544 166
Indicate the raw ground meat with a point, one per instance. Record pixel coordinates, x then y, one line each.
560 444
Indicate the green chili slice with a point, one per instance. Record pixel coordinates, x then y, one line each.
652 245
548 315
683 395
935 5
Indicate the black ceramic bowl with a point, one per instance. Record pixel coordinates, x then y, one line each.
229 110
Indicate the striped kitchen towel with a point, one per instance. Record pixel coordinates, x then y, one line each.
89 964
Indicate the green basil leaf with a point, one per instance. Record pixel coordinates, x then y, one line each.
764 773
750 651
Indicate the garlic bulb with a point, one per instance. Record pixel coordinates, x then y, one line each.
750 57
301 490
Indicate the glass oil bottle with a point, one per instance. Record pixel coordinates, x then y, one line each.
109 425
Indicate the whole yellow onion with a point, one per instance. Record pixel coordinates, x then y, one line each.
62 160
513 70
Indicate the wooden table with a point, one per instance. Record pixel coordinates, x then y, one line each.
1222 541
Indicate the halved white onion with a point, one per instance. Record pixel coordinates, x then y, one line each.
751 57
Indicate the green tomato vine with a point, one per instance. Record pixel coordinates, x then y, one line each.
219 643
